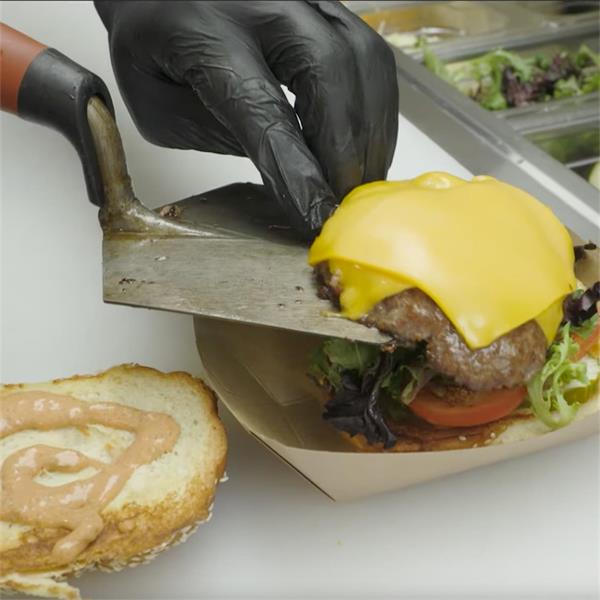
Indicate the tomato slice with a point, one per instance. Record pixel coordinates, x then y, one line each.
482 407
586 344
467 409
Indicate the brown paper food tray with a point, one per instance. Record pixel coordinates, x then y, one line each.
260 375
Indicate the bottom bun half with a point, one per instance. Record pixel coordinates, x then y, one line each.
420 436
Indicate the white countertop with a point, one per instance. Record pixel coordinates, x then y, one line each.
529 527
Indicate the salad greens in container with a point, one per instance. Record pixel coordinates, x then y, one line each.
501 79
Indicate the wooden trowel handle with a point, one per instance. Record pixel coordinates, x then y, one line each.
42 85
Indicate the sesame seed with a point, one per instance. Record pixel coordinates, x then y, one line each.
462 438
492 435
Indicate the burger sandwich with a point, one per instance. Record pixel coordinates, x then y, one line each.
493 339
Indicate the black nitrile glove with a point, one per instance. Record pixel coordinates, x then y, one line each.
207 75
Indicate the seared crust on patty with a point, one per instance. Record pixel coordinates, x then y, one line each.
412 316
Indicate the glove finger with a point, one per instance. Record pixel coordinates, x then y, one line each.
378 85
317 64
237 87
165 109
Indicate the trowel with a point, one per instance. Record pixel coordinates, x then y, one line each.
226 254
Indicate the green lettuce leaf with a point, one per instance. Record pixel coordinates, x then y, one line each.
351 356
432 61
491 96
541 61
585 56
585 329
334 356
551 390
321 370
498 59
565 88
590 82
407 380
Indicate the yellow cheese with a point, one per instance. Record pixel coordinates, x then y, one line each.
489 254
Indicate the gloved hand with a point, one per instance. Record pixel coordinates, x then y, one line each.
206 75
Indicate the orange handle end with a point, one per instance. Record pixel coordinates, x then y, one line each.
17 52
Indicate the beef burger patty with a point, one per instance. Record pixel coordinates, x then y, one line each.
411 316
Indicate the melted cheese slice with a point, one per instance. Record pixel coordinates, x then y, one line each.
490 255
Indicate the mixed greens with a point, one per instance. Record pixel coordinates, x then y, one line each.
368 385
502 79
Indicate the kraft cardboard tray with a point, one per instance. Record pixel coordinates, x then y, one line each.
260 375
